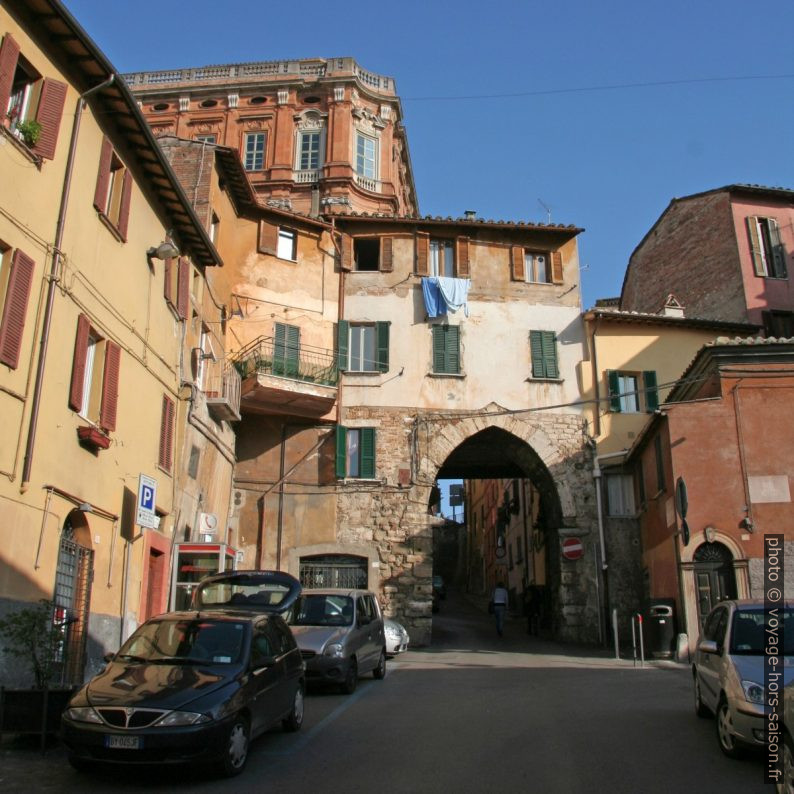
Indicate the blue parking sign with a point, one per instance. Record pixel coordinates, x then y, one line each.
147 499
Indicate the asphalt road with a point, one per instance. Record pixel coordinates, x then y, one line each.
472 713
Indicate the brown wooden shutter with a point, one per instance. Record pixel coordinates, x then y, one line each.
110 387
124 206
346 255
268 238
517 266
386 259
16 305
462 257
78 363
756 251
103 178
9 55
556 267
166 434
183 288
422 253
168 278
53 96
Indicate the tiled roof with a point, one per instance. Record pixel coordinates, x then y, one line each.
463 221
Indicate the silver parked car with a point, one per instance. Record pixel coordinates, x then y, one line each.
396 637
728 671
340 635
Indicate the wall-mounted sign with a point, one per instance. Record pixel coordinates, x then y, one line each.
147 499
572 548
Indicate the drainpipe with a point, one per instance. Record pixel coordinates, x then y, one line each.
53 278
604 622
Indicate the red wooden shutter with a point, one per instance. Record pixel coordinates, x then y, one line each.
422 253
346 259
124 206
556 267
462 257
166 434
9 55
517 263
168 278
110 387
183 288
103 178
386 258
268 238
12 325
53 96
78 363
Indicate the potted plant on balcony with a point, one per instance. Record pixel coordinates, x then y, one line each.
29 131
33 636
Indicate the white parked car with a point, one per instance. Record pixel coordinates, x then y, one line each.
396 637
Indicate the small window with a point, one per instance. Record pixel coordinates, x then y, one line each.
363 347
214 225
766 247
355 452
95 376
159 107
446 349
309 151
208 103
113 190
311 100
543 348
366 149
442 258
779 324
257 100
287 244
632 392
620 494
536 268
366 253
254 151
205 138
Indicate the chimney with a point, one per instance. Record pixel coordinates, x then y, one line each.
470 215
672 307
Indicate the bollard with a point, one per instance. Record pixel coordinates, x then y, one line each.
615 632
633 642
642 644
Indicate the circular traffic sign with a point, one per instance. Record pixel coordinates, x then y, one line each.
572 548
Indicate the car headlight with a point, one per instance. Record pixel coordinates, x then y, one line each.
83 714
753 692
334 649
176 718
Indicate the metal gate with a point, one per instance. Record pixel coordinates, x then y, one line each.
73 578
334 570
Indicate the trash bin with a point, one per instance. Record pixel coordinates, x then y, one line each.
659 627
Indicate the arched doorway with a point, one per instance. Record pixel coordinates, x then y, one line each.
73 578
715 578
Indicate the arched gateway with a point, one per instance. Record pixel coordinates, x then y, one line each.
550 449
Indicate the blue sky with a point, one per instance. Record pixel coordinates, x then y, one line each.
512 105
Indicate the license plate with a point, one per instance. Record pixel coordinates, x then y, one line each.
124 742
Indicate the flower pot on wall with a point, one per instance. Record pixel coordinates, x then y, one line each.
92 437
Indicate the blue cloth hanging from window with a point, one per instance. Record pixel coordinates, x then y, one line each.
435 305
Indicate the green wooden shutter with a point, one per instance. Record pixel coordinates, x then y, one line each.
614 390
367 453
341 451
651 392
342 340
286 349
382 341
452 335
293 350
549 345
439 349
446 349
536 351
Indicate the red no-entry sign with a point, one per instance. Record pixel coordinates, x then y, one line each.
572 548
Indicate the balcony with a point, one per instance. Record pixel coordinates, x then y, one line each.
306 176
367 183
278 378
222 390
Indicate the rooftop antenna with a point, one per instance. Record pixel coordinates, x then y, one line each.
548 211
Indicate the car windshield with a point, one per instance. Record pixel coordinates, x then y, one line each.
748 633
323 610
185 642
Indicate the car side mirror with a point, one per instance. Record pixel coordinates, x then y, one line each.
708 646
262 662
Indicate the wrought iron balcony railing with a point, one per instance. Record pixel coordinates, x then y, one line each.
266 356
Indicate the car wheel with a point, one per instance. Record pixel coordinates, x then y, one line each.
380 671
700 707
79 764
295 719
725 736
235 753
351 679
785 784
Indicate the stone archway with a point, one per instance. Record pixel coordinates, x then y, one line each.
392 520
